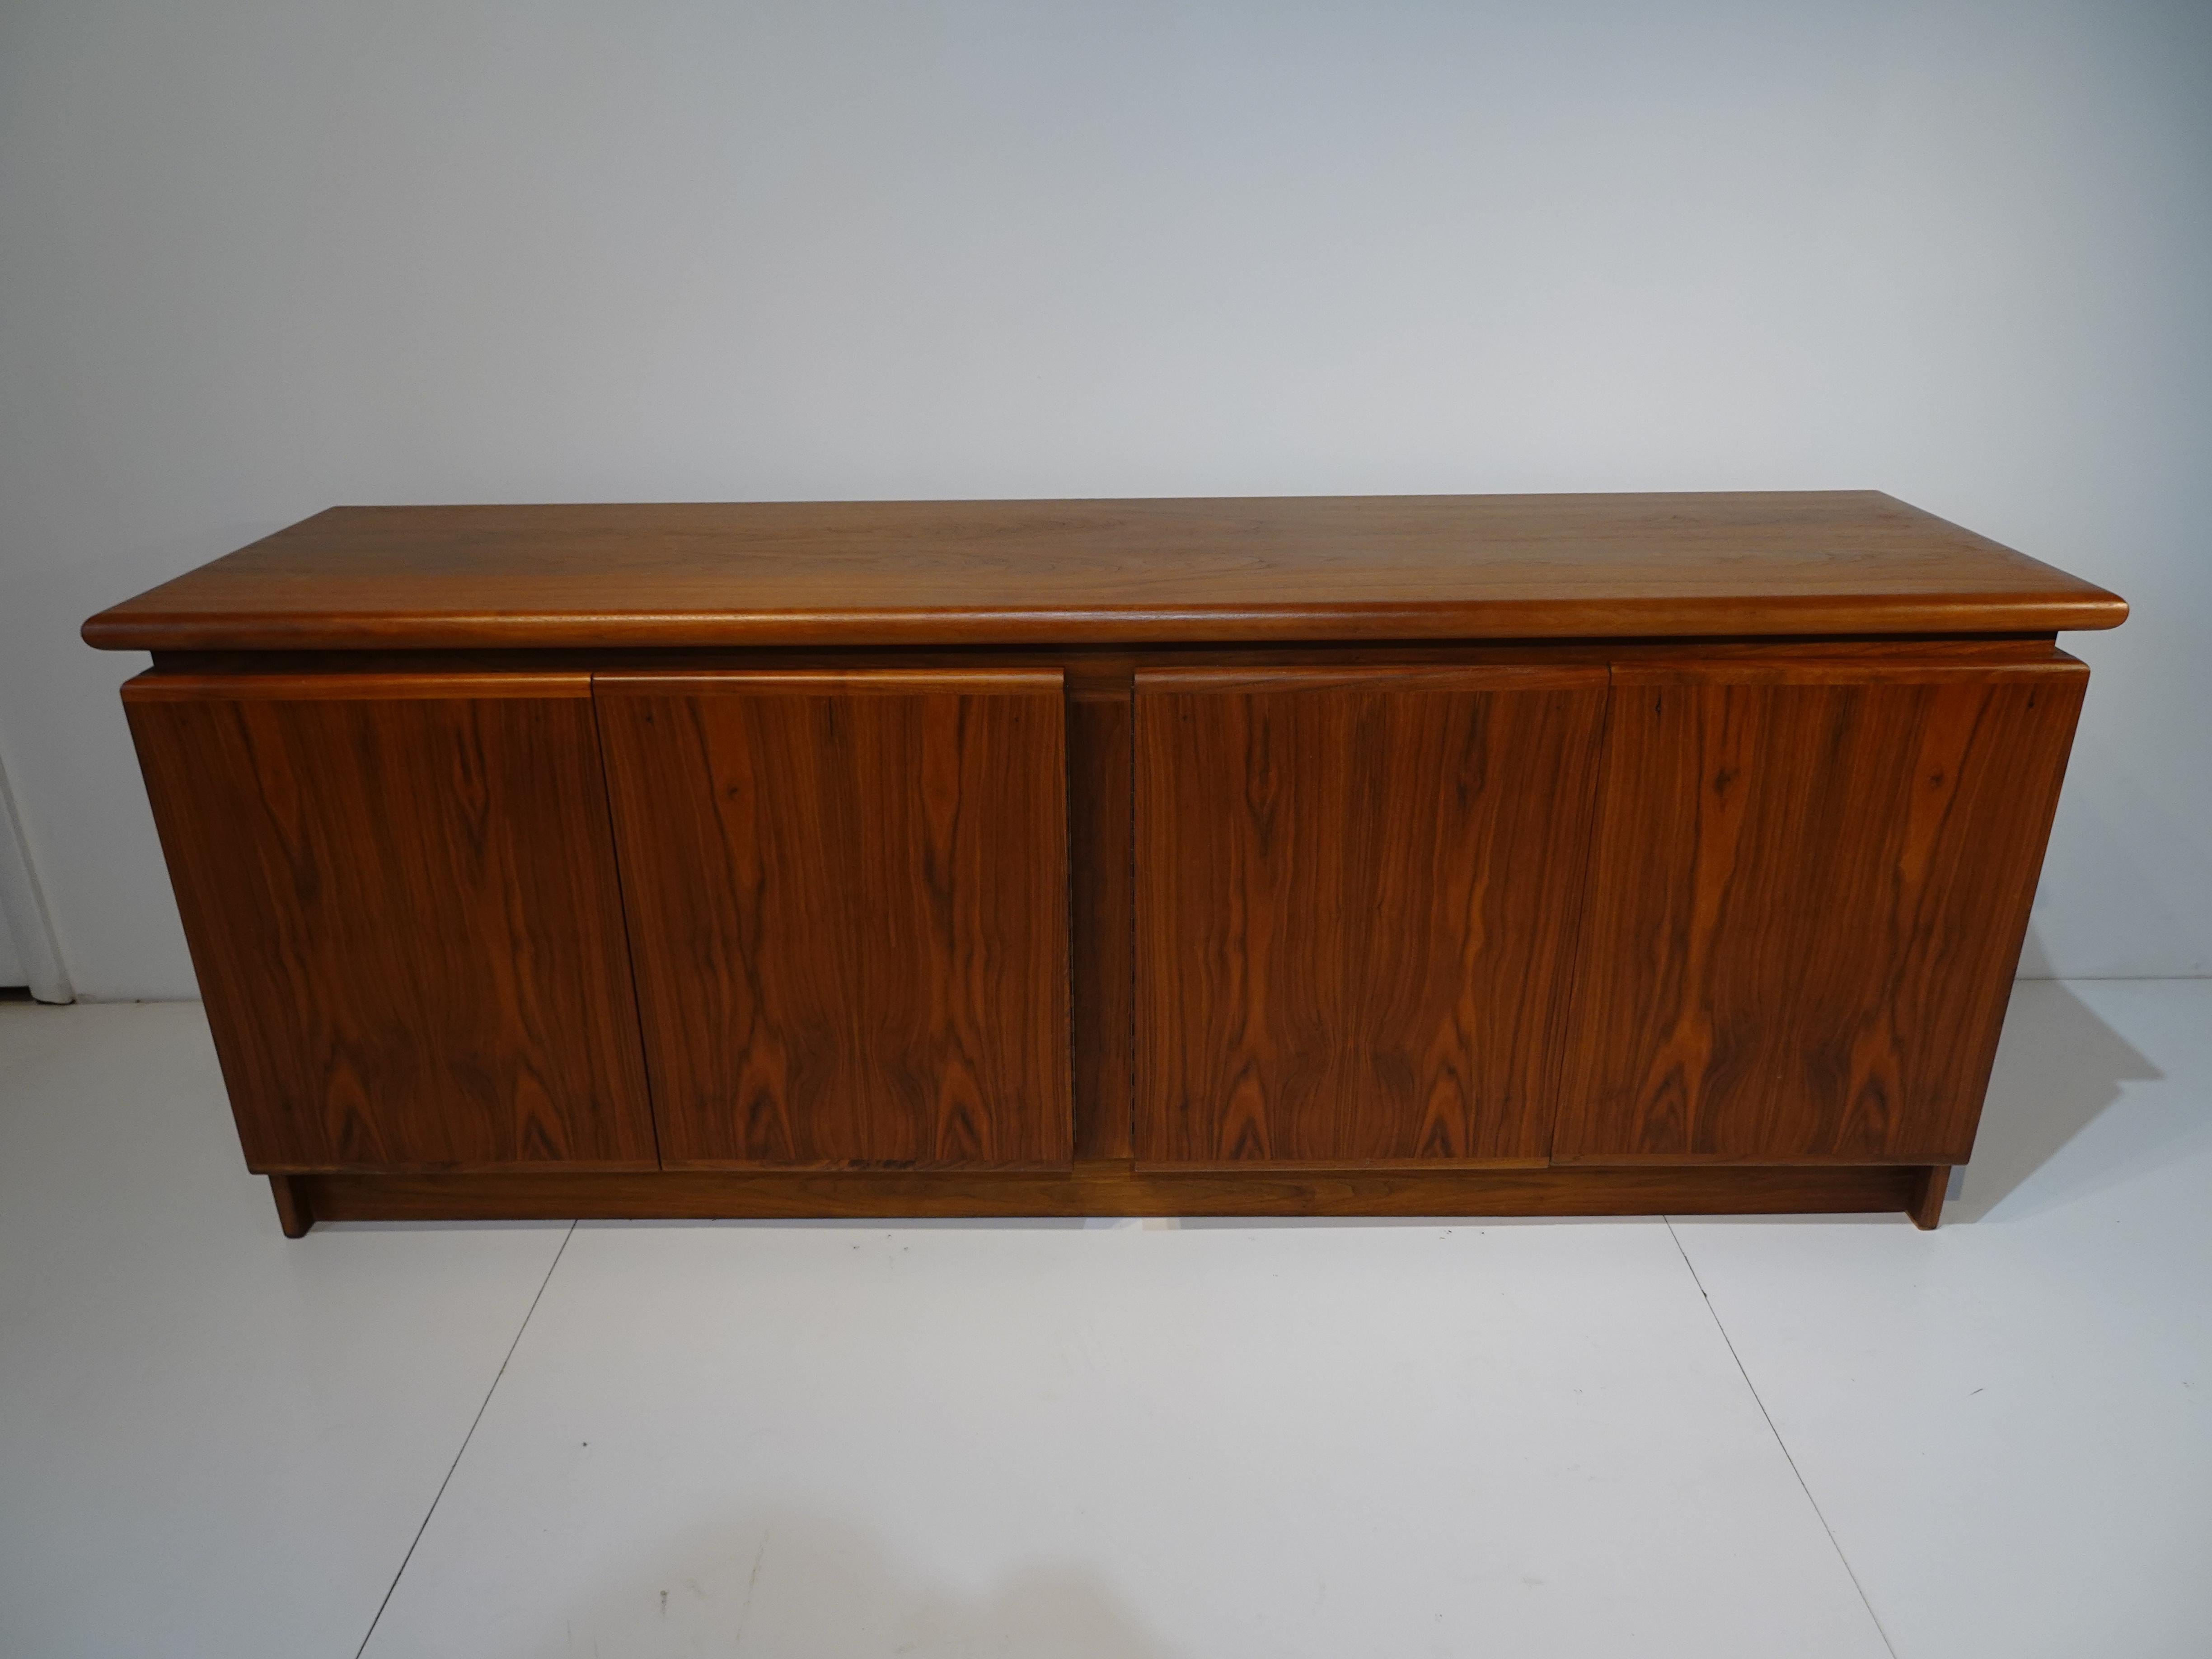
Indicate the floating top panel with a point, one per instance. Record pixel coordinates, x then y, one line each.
1754 565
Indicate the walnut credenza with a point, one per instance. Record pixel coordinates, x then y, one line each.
1428 855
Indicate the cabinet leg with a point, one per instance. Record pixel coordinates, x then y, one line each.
1929 1182
293 1212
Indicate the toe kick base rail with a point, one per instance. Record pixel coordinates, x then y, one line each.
1105 1189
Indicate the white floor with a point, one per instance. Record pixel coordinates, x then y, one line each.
1767 1437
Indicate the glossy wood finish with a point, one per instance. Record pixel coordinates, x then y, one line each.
1103 918
1357 891
848 901
1116 1189
401 900
1301 856
1131 572
1812 883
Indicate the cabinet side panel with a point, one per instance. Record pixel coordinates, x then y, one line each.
404 914
1807 907
1355 903
848 909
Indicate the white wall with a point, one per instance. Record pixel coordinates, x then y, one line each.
258 256
28 957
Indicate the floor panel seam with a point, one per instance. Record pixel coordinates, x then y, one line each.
482 1408
1834 1543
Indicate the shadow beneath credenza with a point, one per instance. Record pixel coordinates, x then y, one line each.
2059 1067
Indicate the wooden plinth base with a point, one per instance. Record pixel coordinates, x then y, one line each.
1109 1189
296 1210
1929 1183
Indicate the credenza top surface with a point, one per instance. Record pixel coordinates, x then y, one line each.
1764 564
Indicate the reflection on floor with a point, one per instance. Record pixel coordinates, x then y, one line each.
1127 1440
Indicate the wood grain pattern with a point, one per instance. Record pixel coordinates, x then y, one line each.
847 904
1808 903
1355 902
1300 798
401 901
1102 918
250 683
918 573
1116 1189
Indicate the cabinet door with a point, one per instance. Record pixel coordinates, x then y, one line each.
399 892
847 898
1356 892
1811 887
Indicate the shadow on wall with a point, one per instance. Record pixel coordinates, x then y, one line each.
795 1584
2058 1067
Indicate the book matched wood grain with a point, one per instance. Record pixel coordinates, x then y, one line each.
402 904
1810 892
1130 572
1446 854
1356 890
848 902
